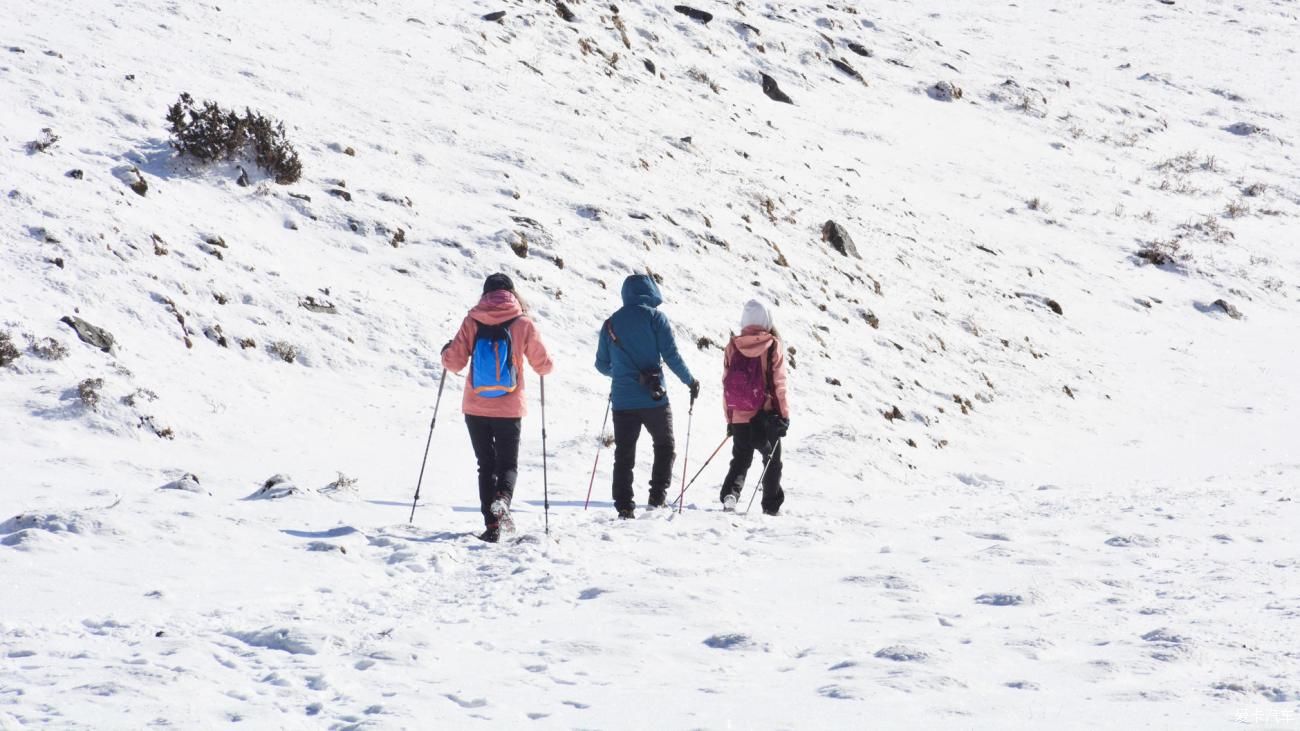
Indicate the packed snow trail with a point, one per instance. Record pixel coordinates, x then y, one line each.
1033 477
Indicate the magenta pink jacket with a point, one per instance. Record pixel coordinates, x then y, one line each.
756 342
494 309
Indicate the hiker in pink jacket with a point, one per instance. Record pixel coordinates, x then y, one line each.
494 340
758 410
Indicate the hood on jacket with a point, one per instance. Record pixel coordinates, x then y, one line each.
753 341
640 289
496 307
756 314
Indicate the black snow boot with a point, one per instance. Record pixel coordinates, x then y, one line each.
626 513
491 534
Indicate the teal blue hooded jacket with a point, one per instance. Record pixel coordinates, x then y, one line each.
647 342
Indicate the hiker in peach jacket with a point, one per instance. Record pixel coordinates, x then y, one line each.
494 340
758 410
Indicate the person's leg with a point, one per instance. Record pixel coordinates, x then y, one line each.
742 456
773 495
627 430
480 436
506 433
659 422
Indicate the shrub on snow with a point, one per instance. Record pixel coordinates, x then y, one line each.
209 133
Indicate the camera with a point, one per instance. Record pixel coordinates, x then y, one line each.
654 383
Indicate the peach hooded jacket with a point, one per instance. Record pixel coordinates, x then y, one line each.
494 309
754 341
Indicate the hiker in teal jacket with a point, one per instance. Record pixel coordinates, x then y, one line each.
634 344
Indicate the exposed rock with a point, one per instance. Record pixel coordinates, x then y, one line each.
944 91
846 68
90 334
894 413
340 193
1054 306
275 488
1244 129
649 66
839 239
773 91
563 11
187 483
860 49
47 140
139 185
76 174
312 304
1228 308
693 14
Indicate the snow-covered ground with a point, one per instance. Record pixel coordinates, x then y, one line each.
1082 516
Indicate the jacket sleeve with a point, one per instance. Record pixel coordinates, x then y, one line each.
668 348
456 357
535 350
726 363
778 380
603 363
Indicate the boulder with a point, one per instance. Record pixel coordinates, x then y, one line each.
773 91
839 239
944 91
90 334
693 14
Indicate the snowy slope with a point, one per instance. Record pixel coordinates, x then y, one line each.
1083 517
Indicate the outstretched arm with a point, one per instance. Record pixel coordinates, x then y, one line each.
456 355
535 350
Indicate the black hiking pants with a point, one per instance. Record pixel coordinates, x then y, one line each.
496 446
745 440
627 430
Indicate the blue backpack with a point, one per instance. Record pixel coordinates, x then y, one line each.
492 372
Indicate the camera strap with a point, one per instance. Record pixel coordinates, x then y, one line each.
613 338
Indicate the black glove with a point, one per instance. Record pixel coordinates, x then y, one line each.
444 348
730 430
782 426
695 390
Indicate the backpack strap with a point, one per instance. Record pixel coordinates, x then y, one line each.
770 386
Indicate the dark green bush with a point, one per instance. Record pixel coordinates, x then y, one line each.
209 133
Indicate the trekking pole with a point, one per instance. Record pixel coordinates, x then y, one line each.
686 457
599 445
441 382
680 498
767 463
546 488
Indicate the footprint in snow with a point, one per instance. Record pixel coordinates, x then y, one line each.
1129 541
591 593
1000 600
837 692
474 703
576 704
900 653
732 641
